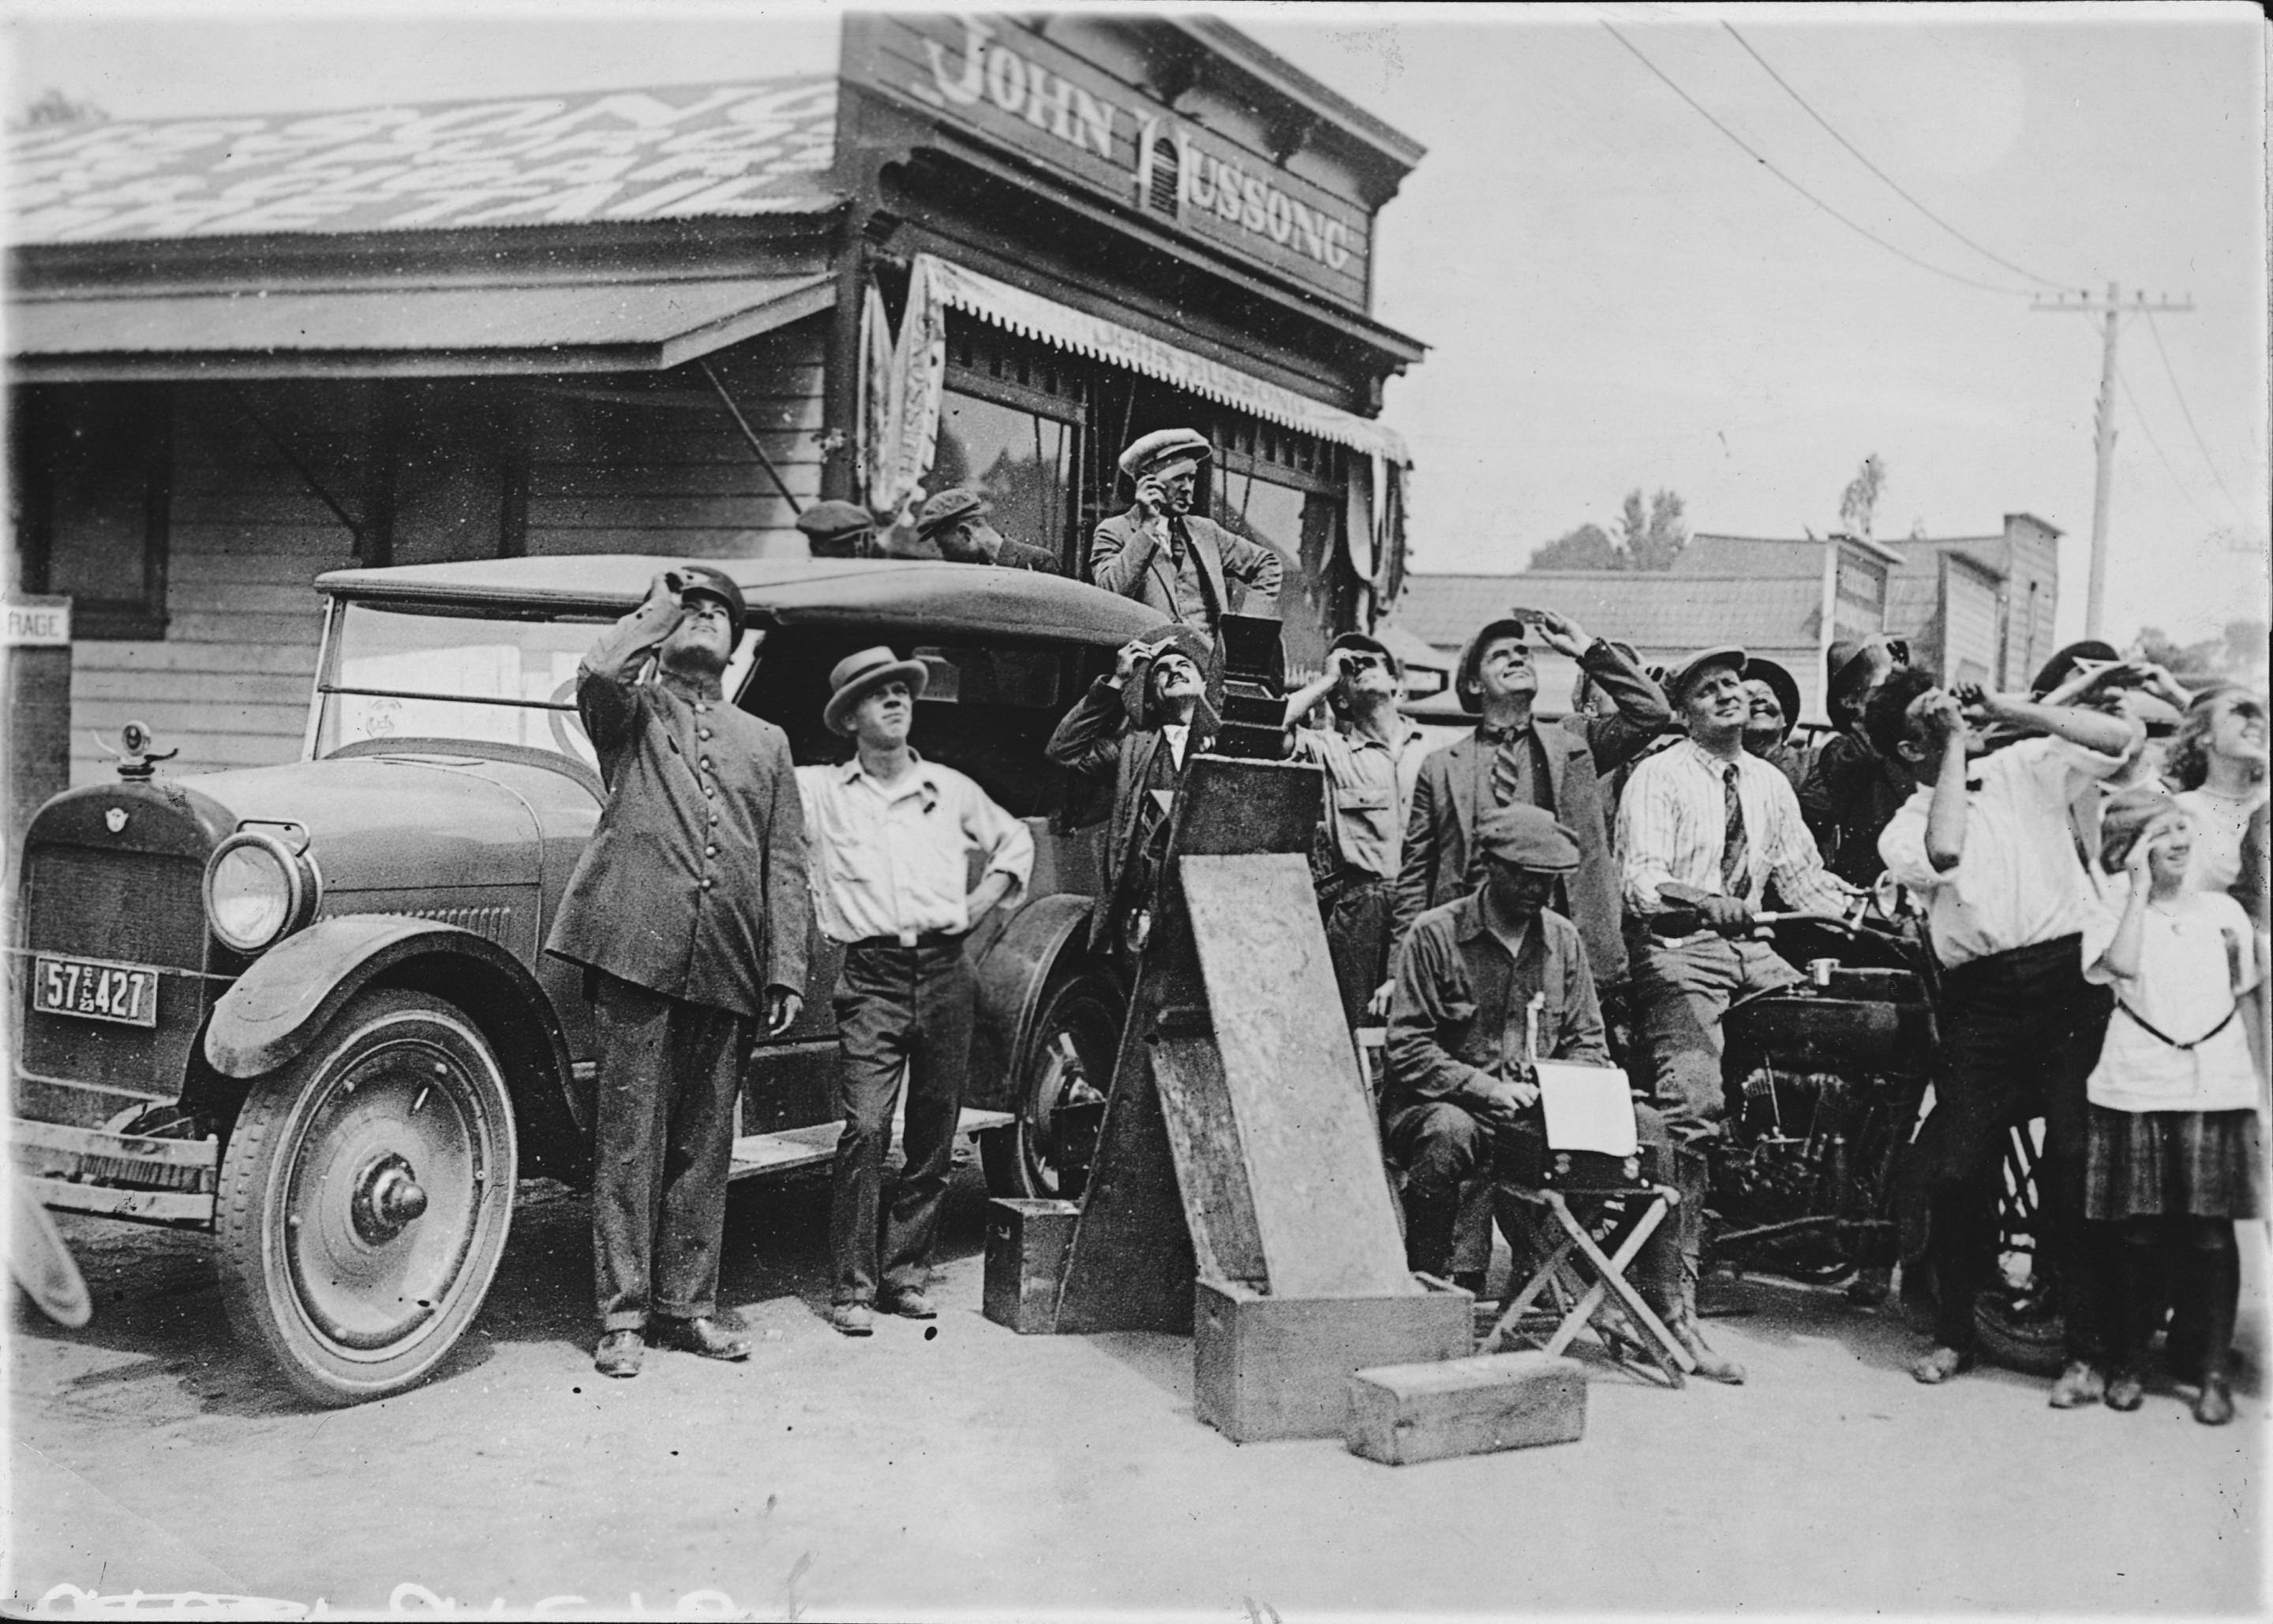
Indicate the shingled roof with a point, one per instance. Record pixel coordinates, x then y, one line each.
1649 610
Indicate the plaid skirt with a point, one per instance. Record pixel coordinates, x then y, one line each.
2202 1163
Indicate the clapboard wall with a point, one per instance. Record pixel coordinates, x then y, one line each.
599 463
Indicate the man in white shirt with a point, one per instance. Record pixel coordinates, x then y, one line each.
1708 816
1988 841
890 835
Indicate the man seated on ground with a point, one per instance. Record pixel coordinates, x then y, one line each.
1461 1087
1370 759
1722 824
956 521
1134 730
1988 841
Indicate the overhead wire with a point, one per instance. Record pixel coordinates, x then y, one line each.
2138 416
1760 159
1899 189
2187 412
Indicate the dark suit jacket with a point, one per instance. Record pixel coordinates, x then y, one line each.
1441 862
1094 740
1125 558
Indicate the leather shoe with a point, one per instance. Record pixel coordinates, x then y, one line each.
1940 1364
909 1306
2126 1390
705 1337
2215 1407
2082 1383
1710 1365
853 1319
619 1353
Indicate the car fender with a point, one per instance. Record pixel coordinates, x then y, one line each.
1011 972
276 1011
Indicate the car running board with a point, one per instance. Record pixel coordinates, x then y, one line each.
758 1156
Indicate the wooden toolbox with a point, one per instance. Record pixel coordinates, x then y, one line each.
1403 1413
1280 1366
1025 1257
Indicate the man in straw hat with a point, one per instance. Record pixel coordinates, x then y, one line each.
1162 554
688 912
1134 730
891 836
1706 816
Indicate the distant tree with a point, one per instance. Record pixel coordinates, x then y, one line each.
1653 542
1648 538
1589 547
1860 499
55 110
2231 653
2245 645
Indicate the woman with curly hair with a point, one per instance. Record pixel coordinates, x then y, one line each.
2217 764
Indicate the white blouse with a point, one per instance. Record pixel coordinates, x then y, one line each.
2190 950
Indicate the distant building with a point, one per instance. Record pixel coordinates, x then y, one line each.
1974 609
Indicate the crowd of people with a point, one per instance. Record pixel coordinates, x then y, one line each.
2089 860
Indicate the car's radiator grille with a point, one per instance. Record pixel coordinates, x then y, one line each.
133 908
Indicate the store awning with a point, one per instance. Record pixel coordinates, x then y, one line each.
1035 317
623 326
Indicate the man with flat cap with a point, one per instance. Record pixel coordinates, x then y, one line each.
1708 816
1461 1087
1162 554
1372 758
1133 730
892 836
838 530
689 910
956 521
1514 759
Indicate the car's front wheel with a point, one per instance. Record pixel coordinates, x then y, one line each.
1062 1073
366 1197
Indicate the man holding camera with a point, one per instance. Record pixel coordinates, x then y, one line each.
689 910
1988 841
1162 554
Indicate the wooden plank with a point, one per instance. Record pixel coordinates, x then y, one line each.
1304 1123
293 659
1403 1413
1130 1265
786 1149
1210 1174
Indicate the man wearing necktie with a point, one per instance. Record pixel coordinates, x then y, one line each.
1161 553
1708 816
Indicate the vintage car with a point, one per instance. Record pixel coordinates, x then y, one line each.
307 1007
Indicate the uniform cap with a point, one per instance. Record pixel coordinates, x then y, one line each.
701 580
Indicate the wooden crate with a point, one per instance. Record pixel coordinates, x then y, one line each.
1280 1366
1403 1413
1025 1257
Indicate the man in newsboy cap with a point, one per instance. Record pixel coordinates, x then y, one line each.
1461 1089
1160 553
957 521
838 530
688 912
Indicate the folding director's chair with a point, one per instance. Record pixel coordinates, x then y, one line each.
1586 1179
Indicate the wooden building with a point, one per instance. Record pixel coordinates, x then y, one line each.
243 350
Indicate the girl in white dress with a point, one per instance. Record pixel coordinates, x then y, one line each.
2173 1157
2217 764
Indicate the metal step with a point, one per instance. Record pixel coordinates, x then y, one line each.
762 1155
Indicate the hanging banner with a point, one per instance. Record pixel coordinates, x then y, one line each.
873 460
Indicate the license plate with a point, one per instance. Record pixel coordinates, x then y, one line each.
94 991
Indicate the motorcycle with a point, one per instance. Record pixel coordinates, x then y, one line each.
1826 1080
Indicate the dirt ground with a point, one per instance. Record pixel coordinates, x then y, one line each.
958 1469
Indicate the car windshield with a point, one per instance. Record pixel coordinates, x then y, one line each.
412 675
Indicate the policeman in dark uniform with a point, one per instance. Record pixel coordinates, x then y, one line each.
689 912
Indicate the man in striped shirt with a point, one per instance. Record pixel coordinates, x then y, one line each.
1709 817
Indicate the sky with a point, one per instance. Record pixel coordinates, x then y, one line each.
1615 293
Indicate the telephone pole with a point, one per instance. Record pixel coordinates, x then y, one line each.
2112 309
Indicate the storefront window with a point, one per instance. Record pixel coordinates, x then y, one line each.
1302 527
1020 460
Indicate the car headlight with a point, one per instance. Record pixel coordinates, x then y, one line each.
258 890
